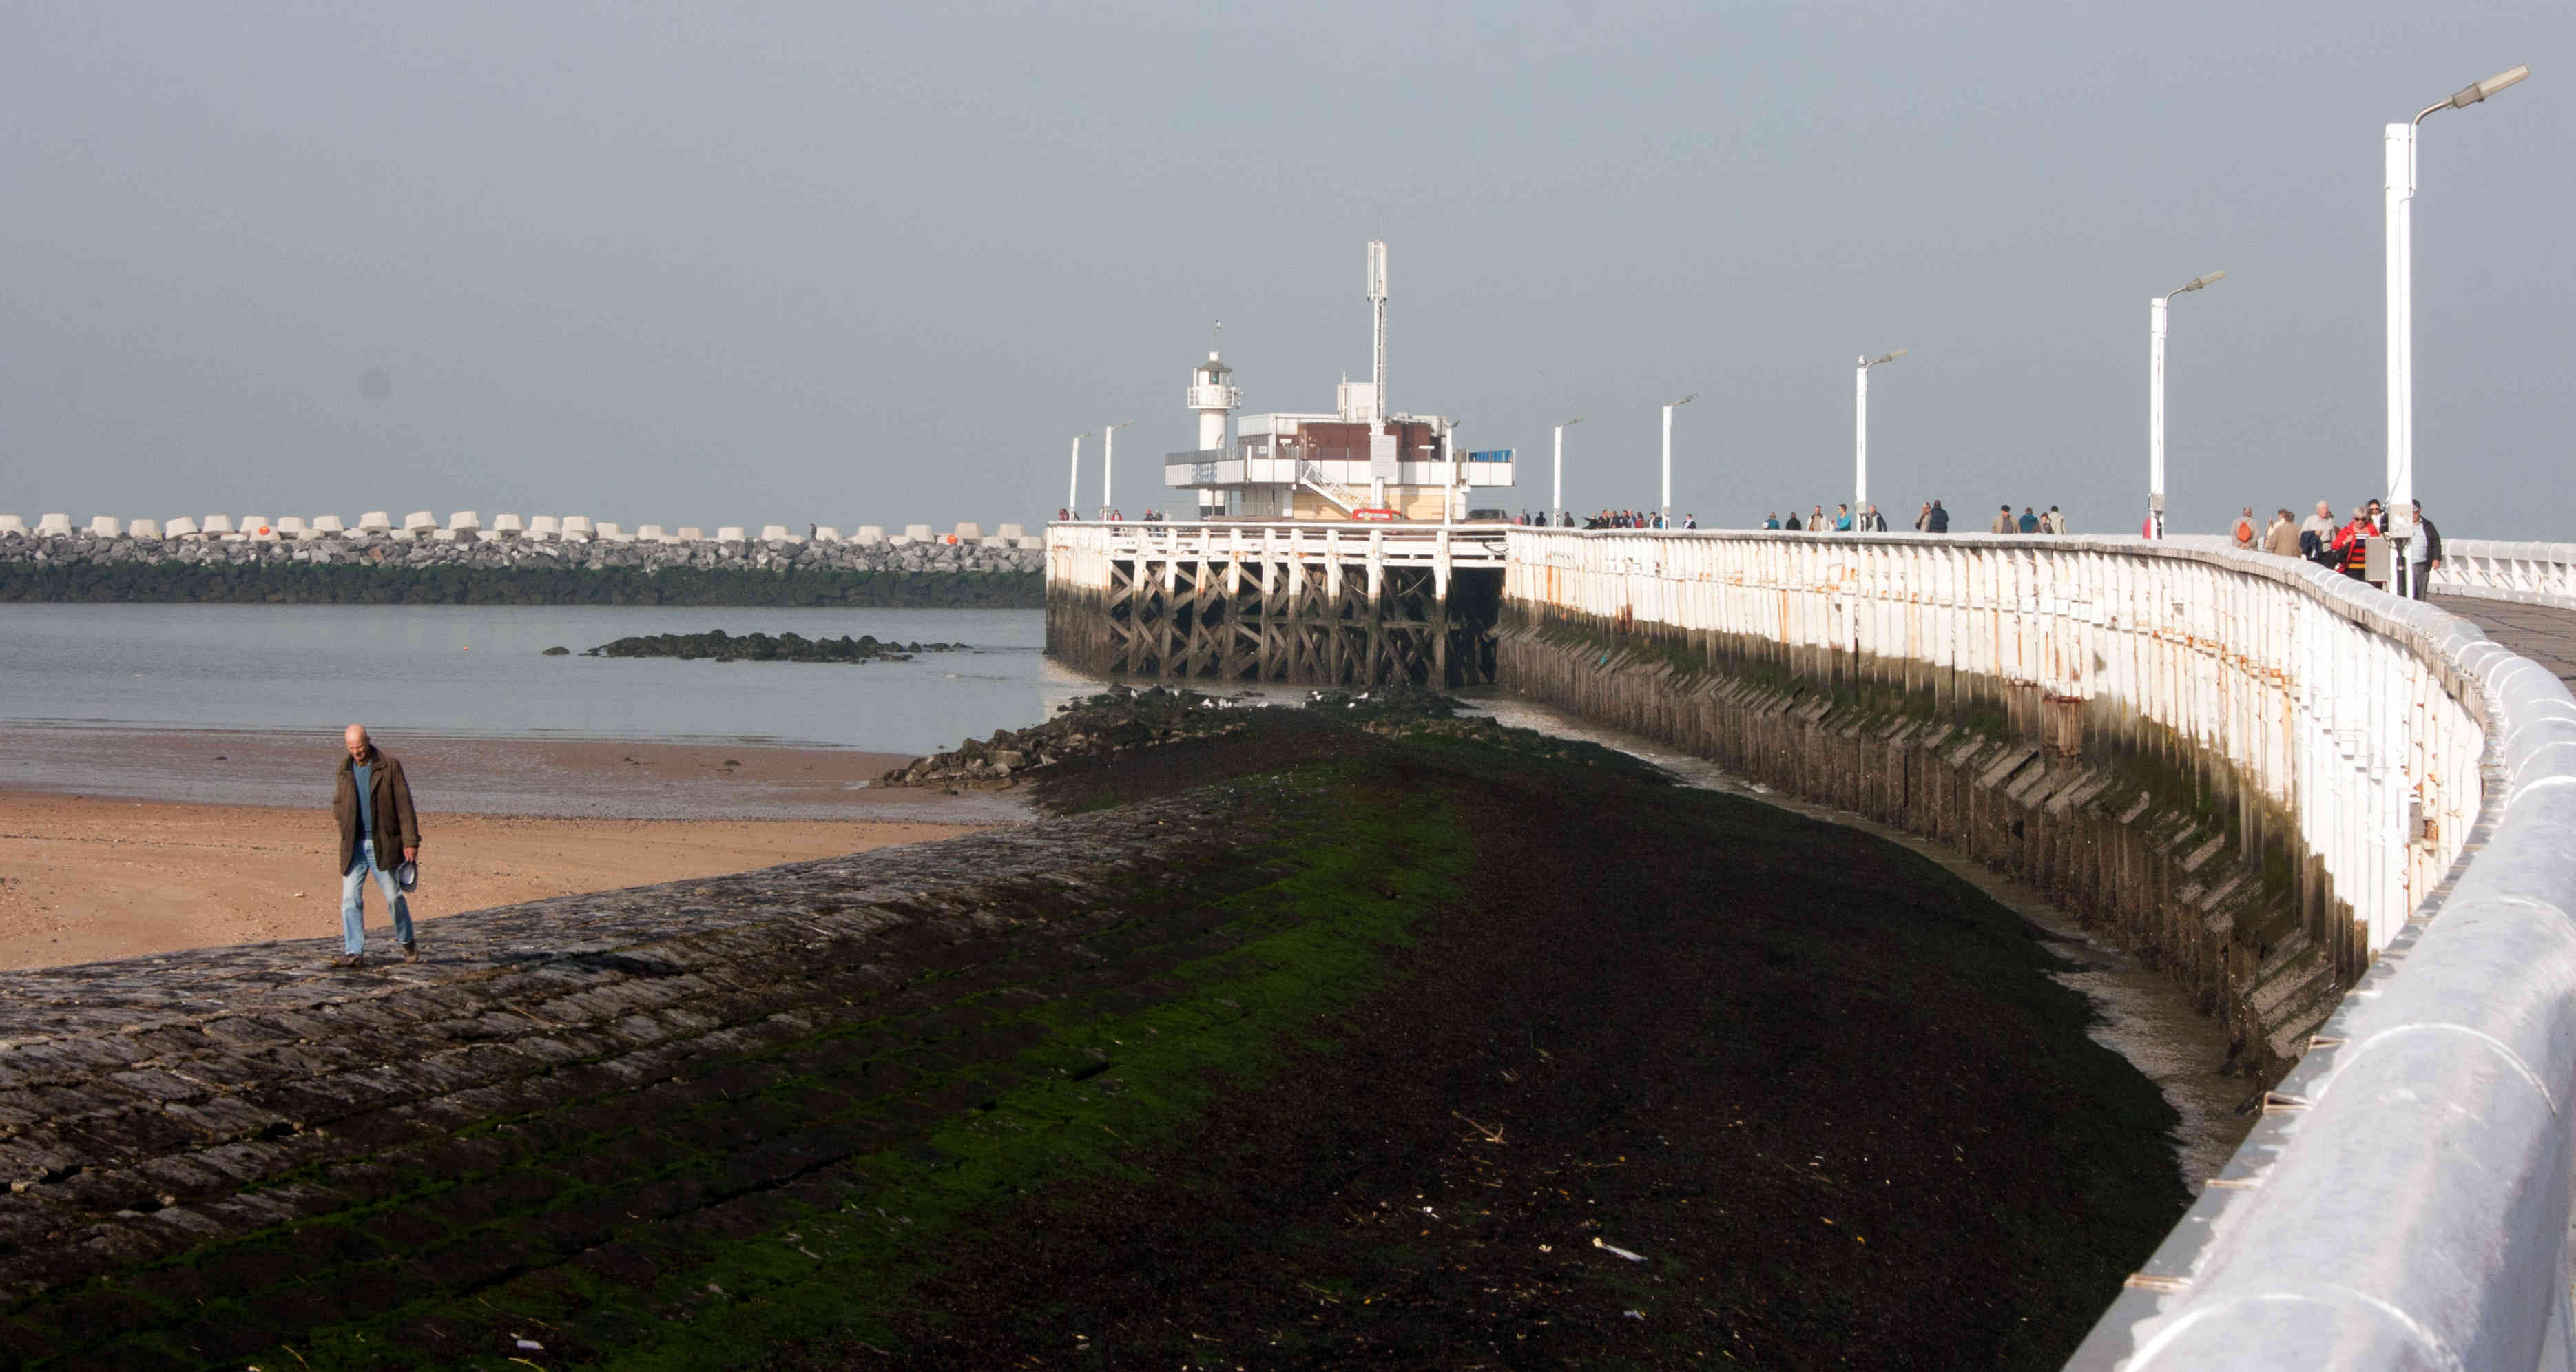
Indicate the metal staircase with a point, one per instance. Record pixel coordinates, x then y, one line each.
1312 477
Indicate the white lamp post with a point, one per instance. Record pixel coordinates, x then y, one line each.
1556 493
1073 480
1668 454
1860 432
1109 462
2401 313
2156 400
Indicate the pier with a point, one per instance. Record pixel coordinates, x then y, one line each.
1326 604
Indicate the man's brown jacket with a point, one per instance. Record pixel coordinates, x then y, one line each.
388 804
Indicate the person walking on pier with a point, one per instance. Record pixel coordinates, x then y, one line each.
2425 555
1773 522
2004 522
372 802
2316 534
2243 530
2282 539
2053 522
1939 519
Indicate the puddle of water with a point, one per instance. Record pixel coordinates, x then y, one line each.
2140 1013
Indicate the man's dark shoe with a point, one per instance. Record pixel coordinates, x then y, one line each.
411 952
348 960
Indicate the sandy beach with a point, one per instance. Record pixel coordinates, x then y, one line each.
83 878
115 842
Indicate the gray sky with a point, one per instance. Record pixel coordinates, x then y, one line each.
785 262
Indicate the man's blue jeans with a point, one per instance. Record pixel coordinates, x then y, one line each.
353 889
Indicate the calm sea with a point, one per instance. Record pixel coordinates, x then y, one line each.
464 669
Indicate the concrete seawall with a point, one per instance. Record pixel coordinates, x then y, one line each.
573 1084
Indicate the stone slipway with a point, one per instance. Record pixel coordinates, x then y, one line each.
163 1108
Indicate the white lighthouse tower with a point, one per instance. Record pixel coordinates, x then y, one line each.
1214 396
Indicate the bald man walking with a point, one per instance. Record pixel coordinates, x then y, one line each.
373 806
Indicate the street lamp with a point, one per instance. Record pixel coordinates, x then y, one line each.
2156 400
1556 493
1860 433
2401 313
1668 454
1109 461
1073 479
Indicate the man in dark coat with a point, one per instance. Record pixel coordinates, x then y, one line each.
373 806
2426 554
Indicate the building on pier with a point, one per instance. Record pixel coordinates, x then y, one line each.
1360 461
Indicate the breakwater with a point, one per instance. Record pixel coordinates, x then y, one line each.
1293 1006
383 569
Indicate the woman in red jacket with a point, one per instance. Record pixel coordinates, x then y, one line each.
2353 542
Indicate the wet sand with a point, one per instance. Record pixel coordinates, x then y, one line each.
471 774
85 878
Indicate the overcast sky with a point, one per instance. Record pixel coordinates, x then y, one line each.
844 264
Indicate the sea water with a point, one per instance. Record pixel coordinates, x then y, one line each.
481 670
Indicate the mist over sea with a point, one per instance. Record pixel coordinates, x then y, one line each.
480 670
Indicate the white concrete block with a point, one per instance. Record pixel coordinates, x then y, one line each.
54 526
578 527
769 532
420 521
1012 531
918 533
691 533
966 532
463 520
730 533
328 526
11 524
219 526
144 528
182 527
544 527
106 526
825 533
509 525
450 535
1027 544
870 533
375 522
652 533
996 541
900 541
259 528
290 526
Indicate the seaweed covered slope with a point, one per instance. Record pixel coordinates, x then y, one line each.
1326 1037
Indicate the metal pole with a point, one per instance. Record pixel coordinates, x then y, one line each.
2401 335
1556 491
1108 465
1860 438
1668 463
1073 480
2156 416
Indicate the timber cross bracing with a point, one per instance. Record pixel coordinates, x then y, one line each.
1271 604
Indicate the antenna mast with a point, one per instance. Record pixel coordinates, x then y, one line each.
1377 348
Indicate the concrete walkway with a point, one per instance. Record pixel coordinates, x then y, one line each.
2544 634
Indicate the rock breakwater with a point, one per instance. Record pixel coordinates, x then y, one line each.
1392 1036
760 647
360 569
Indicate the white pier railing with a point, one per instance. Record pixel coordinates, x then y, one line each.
2499 569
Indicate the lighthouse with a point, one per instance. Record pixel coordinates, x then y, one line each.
1213 396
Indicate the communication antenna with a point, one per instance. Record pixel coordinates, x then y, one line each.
1377 349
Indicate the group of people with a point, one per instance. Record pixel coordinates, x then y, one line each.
1610 519
2029 521
2343 545
1843 520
